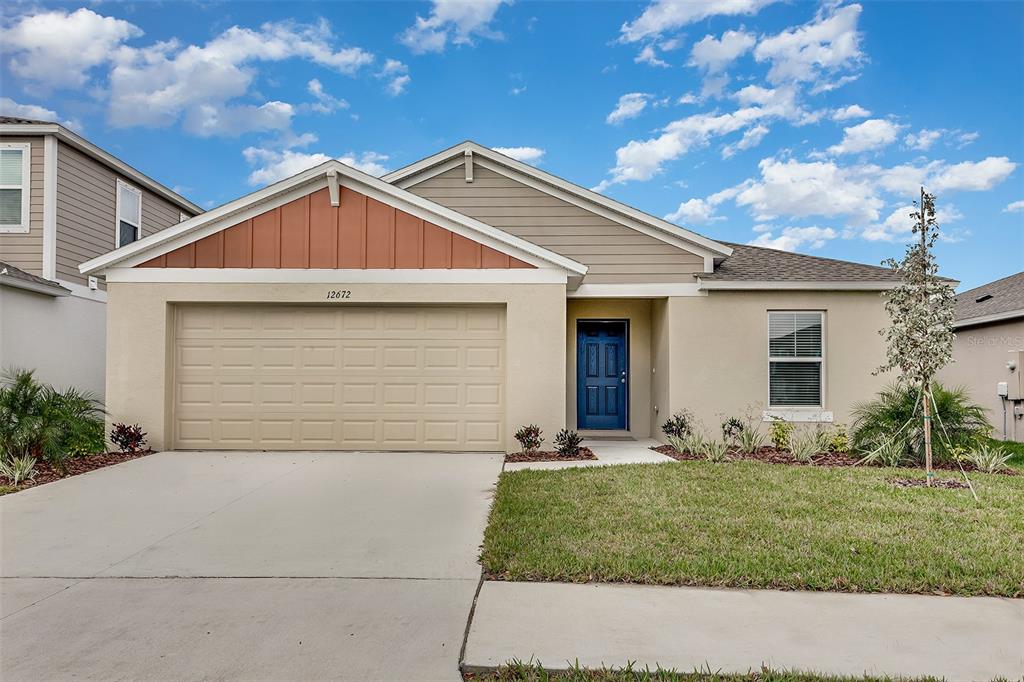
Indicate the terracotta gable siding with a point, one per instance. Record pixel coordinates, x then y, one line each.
362 233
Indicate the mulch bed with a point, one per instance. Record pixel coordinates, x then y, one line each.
950 483
772 455
549 456
46 473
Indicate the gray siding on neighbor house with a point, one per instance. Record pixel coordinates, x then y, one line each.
25 250
613 252
86 211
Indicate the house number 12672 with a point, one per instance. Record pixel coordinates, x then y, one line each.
339 293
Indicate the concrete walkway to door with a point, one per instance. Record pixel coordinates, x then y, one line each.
245 566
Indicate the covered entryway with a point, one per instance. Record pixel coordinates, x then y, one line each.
346 377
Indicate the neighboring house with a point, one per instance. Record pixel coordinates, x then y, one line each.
63 201
989 352
448 303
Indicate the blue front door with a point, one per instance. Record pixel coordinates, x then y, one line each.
602 374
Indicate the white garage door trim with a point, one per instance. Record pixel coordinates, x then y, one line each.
286 377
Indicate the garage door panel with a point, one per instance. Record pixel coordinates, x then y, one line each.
339 378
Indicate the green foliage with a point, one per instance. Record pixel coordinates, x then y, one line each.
781 431
989 458
715 450
805 446
678 425
692 443
567 443
37 420
750 439
731 429
886 452
529 438
18 469
839 440
895 415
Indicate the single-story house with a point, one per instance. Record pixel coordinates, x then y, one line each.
450 302
988 354
63 201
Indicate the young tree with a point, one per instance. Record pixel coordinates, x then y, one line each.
921 310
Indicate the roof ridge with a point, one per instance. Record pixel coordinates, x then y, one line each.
806 255
987 285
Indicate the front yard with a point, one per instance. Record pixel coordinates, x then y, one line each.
749 524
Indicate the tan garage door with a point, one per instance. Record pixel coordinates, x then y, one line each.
346 378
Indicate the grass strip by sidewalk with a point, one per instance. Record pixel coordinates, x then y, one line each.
518 671
749 524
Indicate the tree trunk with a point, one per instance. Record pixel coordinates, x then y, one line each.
926 383
928 437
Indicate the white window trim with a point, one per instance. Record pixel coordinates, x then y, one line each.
121 184
804 409
25 187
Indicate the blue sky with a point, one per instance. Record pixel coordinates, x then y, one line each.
796 125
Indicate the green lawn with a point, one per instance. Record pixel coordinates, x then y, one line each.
516 671
749 524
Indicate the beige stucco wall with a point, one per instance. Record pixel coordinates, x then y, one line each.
139 380
980 355
638 312
717 347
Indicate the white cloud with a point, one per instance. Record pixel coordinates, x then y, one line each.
967 138
694 212
852 111
525 154
714 54
458 21
8 107
397 75
972 176
796 189
1014 207
207 120
667 15
826 45
871 134
792 238
325 102
924 139
155 86
58 48
648 55
274 164
751 138
629 106
898 226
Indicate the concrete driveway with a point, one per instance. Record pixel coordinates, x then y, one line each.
245 565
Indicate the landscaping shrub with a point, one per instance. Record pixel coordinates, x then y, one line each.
840 440
678 425
896 413
18 469
129 438
529 438
715 450
567 443
989 458
781 432
805 446
37 420
750 439
888 452
731 429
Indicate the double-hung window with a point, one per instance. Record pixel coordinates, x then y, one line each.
129 214
14 186
795 358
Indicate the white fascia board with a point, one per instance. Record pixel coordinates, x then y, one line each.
987 319
51 289
50 206
310 181
336 277
740 285
644 290
100 155
619 212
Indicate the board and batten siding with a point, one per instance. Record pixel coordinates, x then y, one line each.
86 211
613 252
25 250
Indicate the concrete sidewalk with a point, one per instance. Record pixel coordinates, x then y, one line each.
740 630
607 452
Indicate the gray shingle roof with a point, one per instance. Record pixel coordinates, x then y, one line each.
17 120
1000 297
18 278
760 264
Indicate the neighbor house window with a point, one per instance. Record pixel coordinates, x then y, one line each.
795 359
129 214
14 179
